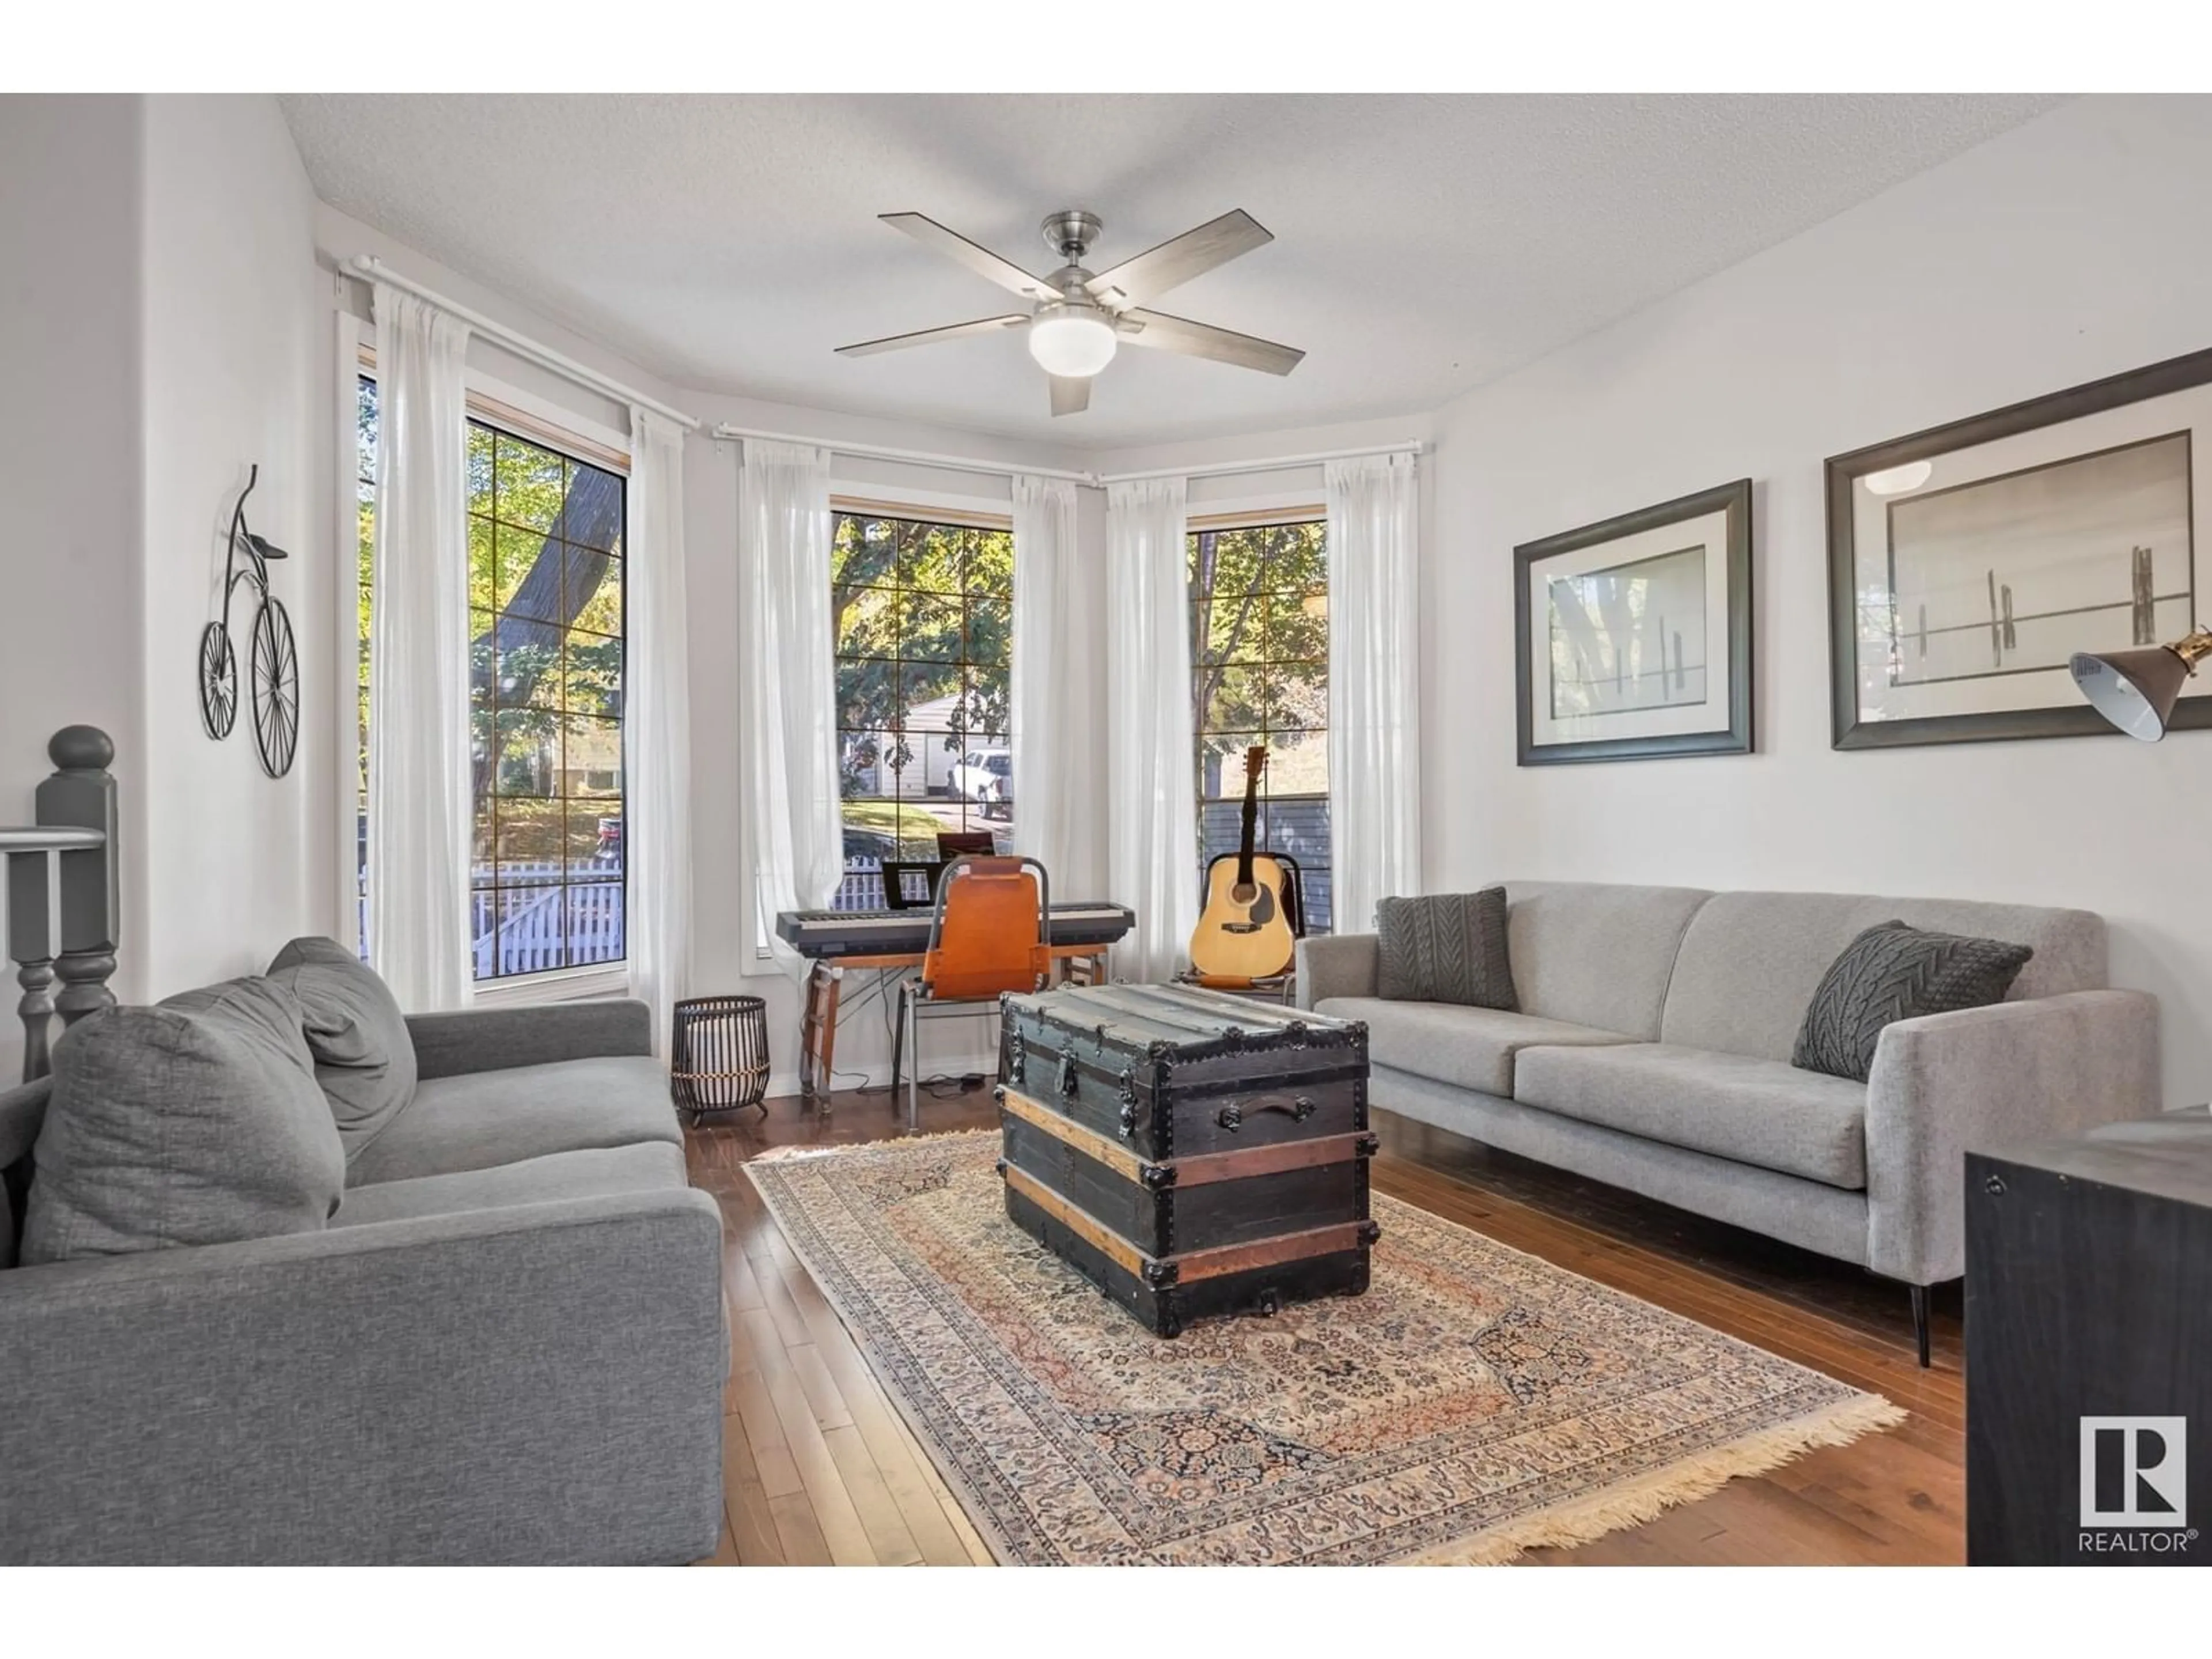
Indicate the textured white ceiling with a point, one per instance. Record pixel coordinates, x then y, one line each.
1423 244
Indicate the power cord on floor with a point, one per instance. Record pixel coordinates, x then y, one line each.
942 1086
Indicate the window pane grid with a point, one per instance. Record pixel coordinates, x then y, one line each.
548 704
1259 628
922 621
548 876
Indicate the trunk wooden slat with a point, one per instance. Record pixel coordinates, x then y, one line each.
1191 1153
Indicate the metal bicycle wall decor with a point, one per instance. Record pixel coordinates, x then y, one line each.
276 661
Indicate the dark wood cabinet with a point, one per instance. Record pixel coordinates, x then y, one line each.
2090 1349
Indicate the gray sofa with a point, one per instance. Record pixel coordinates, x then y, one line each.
507 1344
1652 1052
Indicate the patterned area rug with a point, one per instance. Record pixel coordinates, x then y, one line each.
1474 1403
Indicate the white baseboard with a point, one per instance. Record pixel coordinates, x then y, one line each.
877 1075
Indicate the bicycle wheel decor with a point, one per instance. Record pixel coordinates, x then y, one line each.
276 682
218 681
275 688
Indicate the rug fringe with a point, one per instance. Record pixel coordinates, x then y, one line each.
1643 1500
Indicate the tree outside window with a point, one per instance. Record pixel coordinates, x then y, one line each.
1259 653
923 619
547 870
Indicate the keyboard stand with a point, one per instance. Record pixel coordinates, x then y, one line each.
821 1004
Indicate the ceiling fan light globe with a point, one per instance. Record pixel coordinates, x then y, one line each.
1072 342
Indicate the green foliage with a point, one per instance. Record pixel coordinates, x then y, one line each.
546 695
515 480
1259 634
919 612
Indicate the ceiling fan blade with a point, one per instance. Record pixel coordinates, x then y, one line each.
1174 261
932 336
1167 333
980 261
1070 394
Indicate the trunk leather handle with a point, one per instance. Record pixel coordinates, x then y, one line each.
1297 1108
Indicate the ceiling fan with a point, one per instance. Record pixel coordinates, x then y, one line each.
1079 318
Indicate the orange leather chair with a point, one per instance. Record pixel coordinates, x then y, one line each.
991 931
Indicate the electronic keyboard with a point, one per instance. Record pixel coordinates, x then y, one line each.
831 934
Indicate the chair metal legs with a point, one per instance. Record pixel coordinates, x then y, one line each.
898 1037
916 1008
906 1051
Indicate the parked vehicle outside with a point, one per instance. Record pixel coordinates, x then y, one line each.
985 777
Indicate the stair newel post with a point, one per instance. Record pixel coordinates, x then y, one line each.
31 944
81 794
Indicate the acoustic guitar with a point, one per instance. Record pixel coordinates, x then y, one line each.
1245 932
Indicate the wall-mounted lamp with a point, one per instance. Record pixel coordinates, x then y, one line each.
2136 689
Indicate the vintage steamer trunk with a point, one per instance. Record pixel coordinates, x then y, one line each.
1189 1153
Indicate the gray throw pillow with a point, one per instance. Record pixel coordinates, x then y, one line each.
195 1123
1893 972
364 1058
1445 947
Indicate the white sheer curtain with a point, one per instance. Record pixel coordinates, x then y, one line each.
790 682
1055 717
1373 683
418 711
657 724
1152 807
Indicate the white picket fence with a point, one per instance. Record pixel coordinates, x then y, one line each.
863 886
553 927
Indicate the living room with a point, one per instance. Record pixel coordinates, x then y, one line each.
1325 917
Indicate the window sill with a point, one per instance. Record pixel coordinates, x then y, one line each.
556 985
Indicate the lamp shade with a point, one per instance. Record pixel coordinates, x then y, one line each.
2135 690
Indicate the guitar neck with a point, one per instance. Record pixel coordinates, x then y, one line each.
1251 825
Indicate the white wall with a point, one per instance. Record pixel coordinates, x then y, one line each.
236 372
2060 252
70 450
157 334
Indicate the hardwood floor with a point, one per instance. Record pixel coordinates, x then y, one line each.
819 1468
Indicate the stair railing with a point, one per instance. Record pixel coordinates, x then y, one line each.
69 852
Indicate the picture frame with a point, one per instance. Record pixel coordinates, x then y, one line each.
1633 637
1967 562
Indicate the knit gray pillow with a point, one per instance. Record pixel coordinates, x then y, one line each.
1446 947
1893 972
195 1123
364 1058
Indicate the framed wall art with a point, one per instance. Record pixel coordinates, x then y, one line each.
1966 564
1633 636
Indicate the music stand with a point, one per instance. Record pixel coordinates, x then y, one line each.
951 843
895 871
